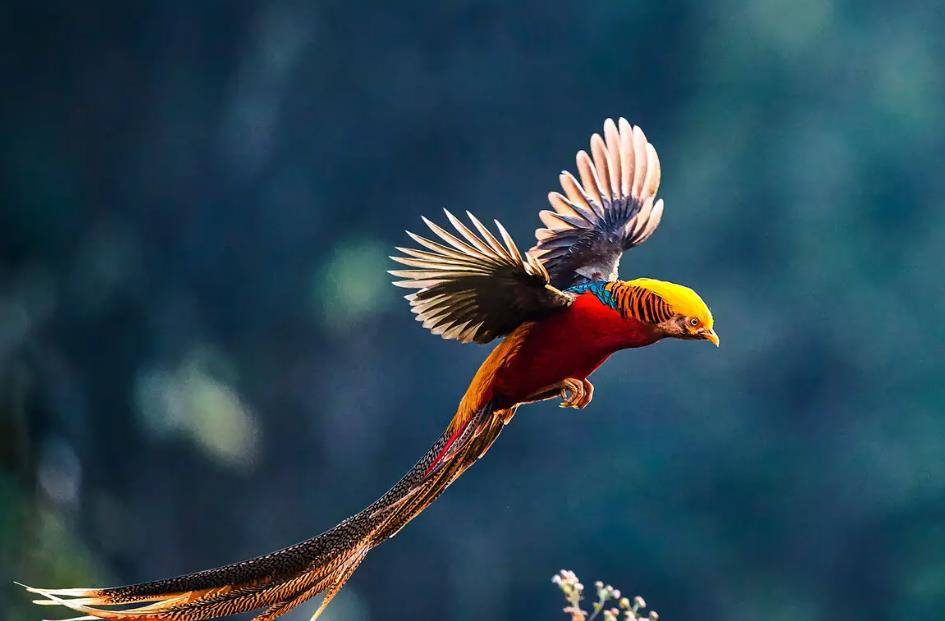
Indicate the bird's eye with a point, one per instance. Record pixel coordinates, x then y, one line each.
693 322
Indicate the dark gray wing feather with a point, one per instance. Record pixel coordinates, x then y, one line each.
610 210
472 287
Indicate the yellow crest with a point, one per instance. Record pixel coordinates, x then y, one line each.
682 300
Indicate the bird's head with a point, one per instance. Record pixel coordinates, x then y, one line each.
690 317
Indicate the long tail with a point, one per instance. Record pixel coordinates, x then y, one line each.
282 580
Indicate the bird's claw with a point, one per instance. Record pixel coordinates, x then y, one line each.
576 393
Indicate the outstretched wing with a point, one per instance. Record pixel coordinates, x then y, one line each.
609 210
475 288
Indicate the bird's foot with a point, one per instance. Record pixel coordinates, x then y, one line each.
576 393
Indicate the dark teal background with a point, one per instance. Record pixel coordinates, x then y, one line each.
202 359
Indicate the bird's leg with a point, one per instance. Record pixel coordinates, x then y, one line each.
543 394
576 393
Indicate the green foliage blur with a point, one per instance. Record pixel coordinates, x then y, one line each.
201 358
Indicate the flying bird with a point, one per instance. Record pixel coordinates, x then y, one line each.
560 311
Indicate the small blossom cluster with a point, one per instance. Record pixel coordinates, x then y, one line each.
573 592
610 603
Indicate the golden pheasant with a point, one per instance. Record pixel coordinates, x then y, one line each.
562 313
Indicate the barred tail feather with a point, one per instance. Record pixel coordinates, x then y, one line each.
280 581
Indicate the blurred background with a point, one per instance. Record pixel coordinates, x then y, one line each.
202 359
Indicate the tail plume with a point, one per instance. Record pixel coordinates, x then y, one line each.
280 581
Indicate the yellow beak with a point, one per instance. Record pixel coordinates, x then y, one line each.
711 336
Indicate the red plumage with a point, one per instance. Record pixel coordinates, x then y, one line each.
572 343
